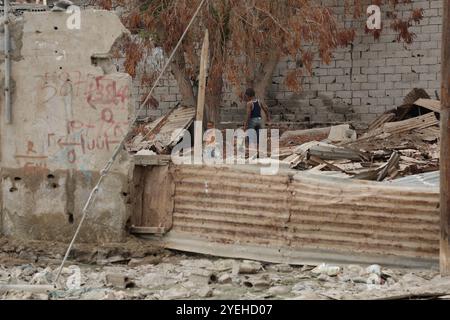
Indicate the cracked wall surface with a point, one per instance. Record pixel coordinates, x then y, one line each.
69 113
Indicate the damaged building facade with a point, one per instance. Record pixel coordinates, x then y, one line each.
69 110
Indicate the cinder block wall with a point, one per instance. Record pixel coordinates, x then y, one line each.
361 82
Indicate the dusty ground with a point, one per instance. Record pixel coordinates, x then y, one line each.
136 270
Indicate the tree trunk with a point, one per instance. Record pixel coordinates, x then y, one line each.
214 94
178 67
263 79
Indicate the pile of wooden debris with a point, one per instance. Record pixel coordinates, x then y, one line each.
402 142
163 134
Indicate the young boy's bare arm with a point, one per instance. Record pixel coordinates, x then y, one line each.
249 112
266 111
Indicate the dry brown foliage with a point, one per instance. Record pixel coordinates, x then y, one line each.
248 36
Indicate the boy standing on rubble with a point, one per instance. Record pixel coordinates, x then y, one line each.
254 118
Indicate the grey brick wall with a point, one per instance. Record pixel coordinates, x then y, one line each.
361 82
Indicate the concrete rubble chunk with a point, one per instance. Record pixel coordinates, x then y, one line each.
223 265
328 270
151 260
374 279
374 269
279 290
225 278
101 294
42 277
257 283
284 268
119 281
342 133
247 267
205 292
175 293
203 276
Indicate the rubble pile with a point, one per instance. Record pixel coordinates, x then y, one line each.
401 142
176 276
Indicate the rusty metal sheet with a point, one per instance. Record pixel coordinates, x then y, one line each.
301 217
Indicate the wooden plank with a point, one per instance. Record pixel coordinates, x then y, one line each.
421 122
152 160
445 141
433 105
387 117
147 230
158 202
137 191
198 136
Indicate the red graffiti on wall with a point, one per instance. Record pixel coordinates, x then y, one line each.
107 99
105 91
96 90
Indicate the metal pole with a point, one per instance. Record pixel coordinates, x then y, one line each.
8 114
445 141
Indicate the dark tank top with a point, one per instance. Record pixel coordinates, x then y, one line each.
256 110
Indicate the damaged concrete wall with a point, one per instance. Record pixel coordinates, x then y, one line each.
68 116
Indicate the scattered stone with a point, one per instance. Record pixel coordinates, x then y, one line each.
310 296
205 292
223 265
203 277
155 280
43 277
324 278
325 269
307 268
247 267
119 281
113 260
257 282
411 279
359 280
175 293
151 260
101 294
225 278
197 264
279 290
374 269
28 256
374 279
354 269
283 268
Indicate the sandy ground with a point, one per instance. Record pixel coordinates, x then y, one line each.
136 270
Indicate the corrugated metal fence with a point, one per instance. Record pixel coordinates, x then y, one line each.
302 218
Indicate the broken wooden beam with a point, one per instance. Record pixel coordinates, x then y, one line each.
151 160
445 150
387 117
390 128
147 230
432 105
